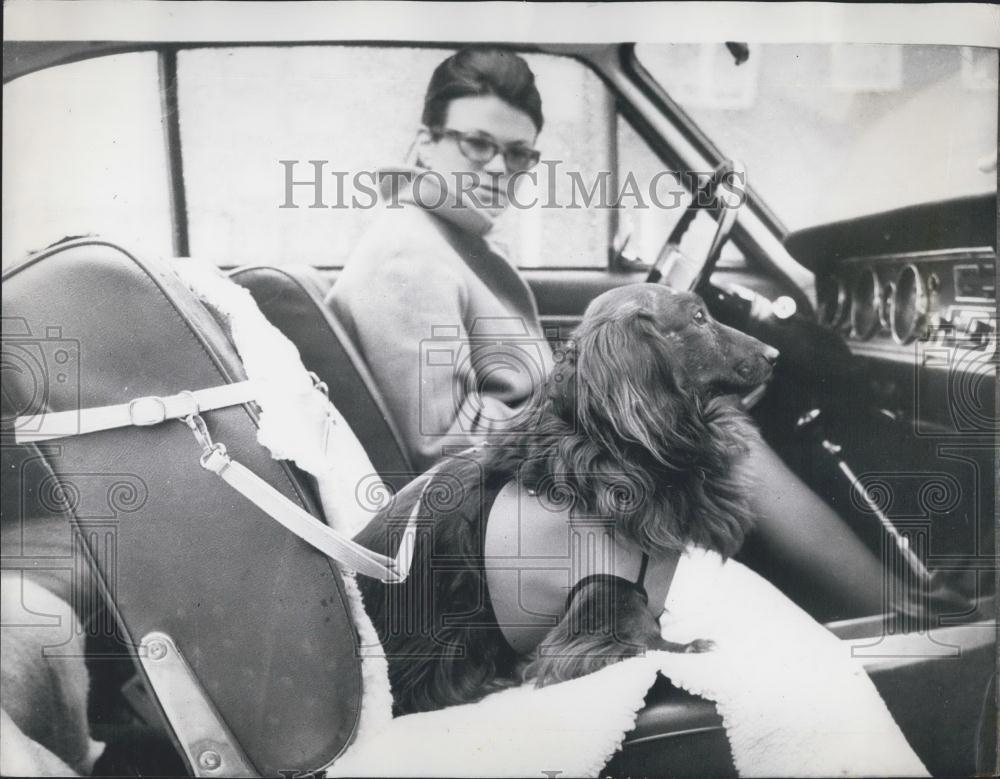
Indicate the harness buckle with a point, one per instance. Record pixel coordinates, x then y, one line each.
200 430
319 384
215 458
146 411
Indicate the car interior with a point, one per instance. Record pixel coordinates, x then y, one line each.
883 402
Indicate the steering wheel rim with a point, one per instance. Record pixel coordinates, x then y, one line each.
673 267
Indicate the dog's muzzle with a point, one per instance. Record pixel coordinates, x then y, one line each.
759 368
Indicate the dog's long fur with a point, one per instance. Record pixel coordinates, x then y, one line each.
633 425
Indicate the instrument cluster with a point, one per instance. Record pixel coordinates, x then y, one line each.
894 300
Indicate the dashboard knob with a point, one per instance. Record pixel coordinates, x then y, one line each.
943 329
784 307
978 334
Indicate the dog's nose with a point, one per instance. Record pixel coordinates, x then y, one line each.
771 354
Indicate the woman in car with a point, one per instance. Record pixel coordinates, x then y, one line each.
451 330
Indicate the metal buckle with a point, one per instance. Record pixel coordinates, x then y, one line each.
150 410
200 430
195 407
318 384
215 458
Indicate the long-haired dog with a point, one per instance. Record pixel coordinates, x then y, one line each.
645 391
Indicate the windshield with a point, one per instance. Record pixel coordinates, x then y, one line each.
832 131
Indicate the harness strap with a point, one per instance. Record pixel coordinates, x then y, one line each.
140 412
640 580
639 585
187 405
304 525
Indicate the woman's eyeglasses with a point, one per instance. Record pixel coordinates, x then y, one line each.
480 148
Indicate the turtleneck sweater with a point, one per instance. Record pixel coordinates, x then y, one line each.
446 324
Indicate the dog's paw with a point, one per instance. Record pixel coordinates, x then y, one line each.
700 645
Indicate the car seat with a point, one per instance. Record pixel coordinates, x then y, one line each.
291 297
254 619
262 673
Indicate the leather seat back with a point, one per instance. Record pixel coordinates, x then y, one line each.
261 618
291 297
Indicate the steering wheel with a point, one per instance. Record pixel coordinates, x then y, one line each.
673 267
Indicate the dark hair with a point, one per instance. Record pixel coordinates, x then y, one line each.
482 71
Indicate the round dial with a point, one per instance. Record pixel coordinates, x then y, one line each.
909 307
831 299
885 303
865 298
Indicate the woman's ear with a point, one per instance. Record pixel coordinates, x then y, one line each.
422 148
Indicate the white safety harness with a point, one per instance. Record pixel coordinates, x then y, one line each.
188 407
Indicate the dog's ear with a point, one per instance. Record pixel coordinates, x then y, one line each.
627 393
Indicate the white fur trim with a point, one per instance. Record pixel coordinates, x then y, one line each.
293 419
792 700
295 425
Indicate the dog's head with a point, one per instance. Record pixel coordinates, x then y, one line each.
635 410
646 359
674 334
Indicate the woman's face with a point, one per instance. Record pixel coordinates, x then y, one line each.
485 116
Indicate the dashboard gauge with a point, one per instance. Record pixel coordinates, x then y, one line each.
865 300
832 300
909 307
885 303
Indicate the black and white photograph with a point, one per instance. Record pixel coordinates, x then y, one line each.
500 389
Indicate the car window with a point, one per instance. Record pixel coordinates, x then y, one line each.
812 122
651 208
249 115
84 151
356 109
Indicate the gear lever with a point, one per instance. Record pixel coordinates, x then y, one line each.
810 422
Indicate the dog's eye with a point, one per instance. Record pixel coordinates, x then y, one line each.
699 317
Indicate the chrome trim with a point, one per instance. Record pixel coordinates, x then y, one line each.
968 298
974 252
919 292
843 309
673 734
884 652
886 293
871 295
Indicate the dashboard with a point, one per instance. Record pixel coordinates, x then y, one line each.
897 283
911 293
890 305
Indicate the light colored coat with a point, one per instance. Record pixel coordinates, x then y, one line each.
447 326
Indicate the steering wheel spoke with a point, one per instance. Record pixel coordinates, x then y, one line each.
723 196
